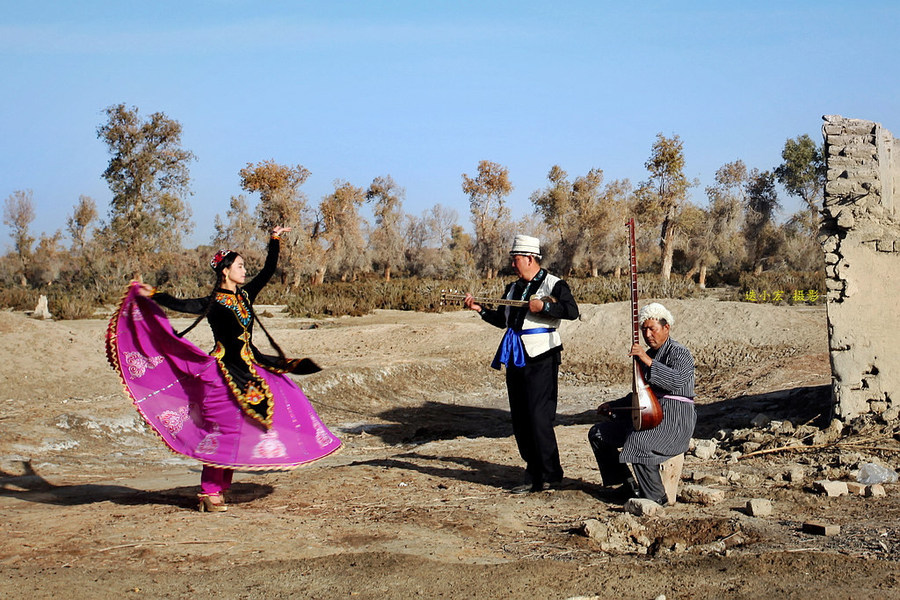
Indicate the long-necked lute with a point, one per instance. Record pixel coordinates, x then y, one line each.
646 412
454 297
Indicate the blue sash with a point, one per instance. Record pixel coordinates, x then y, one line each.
511 346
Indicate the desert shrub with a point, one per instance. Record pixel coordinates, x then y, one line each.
19 298
71 306
422 294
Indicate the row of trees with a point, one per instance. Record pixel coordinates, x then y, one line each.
581 219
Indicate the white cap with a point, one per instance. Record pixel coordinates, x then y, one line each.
657 311
525 244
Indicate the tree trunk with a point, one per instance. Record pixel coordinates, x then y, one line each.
319 277
387 273
668 244
692 271
702 282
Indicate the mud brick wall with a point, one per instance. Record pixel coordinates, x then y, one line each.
861 237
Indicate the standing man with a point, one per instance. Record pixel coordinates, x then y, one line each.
669 369
531 350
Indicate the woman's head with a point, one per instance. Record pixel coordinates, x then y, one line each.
229 267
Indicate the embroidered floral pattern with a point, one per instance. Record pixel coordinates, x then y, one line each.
173 420
135 311
269 446
138 363
209 444
238 304
323 438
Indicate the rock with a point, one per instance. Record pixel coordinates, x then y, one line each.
698 494
876 490
760 420
595 530
748 447
41 311
723 434
831 488
705 449
759 507
855 488
821 528
795 474
642 507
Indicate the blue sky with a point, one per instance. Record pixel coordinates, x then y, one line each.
424 90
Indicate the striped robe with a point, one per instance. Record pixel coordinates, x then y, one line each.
672 373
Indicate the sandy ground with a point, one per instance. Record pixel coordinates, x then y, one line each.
415 504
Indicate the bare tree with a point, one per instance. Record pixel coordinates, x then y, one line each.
579 218
386 240
80 222
342 230
281 202
490 215
148 175
715 238
759 212
241 231
667 188
18 213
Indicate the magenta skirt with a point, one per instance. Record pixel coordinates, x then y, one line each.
181 394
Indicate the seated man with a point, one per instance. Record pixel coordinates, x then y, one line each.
669 369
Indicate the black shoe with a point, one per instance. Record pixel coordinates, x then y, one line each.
525 488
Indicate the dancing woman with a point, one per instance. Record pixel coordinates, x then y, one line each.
234 408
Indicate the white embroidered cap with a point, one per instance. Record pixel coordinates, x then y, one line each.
657 311
525 244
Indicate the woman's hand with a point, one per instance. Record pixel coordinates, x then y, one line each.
145 290
278 230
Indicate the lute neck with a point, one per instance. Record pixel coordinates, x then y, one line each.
635 326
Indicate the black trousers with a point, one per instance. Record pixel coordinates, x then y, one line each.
533 391
606 438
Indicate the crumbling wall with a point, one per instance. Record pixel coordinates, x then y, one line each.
861 237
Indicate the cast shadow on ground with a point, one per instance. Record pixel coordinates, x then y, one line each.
32 487
434 421
810 405
469 470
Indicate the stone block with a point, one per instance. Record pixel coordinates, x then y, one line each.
821 528
795 474
759 507
842 187
705 449
670 471
885 245
832 489
760 420
876 490
595 530
855 488
846 220
697 494
642 507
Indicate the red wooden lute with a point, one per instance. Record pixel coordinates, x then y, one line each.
646 412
